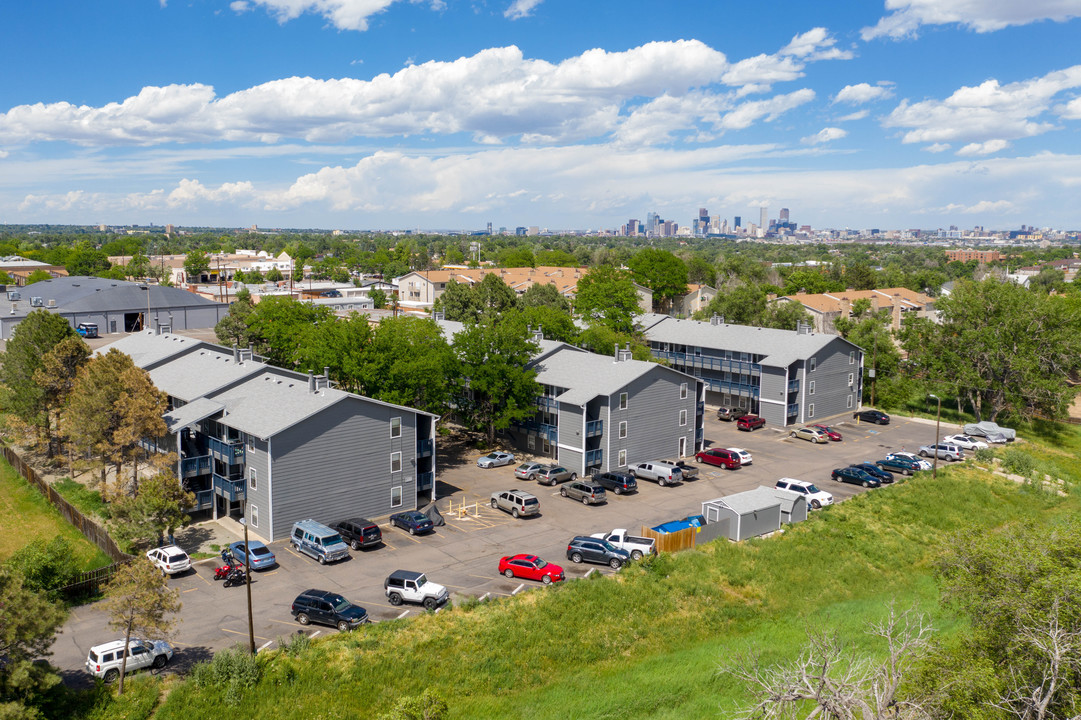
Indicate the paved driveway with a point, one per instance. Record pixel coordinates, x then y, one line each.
463 555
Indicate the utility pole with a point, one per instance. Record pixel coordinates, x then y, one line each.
938 424
874 367
247 576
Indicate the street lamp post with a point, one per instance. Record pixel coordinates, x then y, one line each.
938 424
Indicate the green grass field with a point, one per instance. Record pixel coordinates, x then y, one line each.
26 517
652 641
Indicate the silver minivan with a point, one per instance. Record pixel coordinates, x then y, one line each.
316 540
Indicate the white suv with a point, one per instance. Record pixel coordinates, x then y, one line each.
413 587
815 498
104 660
170 559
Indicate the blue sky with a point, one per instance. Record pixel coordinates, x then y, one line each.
441 114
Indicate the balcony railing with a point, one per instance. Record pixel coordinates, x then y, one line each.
151 445
547 403
793 409
204 500
707 362
549 431
793 385
232 488
594 457
231 453
425 447
699 435
425 480
594 428
700 408
195 466
732 388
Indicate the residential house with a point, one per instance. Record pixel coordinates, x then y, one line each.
827 307
696 299
786 376
289 445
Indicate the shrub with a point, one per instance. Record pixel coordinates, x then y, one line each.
295 645
1018 462
984 455
46 568
233 671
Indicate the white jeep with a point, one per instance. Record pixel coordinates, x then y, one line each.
414 587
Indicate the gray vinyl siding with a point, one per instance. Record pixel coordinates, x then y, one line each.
260 496
774 384
652 416
573 460
571 424
337 464
830 377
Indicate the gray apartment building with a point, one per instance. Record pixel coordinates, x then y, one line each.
787 376
288 444
604 412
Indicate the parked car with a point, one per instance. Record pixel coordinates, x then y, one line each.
897 464
831 432
965 442
530 567
689 472
872 416
595 550
924 464
529 470
811 434
589 493
636 546
87 330
874 471
318 541
745 457
945 451
616 481
104 660
414 587
516 502
750 422
660 473
553 474
815 498
170 559
327 608
721 457
728 413
987 429
413 521
495 459
855 476
359 532
261 556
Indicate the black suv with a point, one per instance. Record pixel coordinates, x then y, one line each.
617 482
328 608
359 532
596 550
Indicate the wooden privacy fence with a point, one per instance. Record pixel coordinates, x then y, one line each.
94 533
91 582
671 542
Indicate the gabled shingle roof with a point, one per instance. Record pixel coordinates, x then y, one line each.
202 372
588 375
761 498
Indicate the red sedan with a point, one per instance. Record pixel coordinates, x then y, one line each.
831 433
750 422
530 567
719 457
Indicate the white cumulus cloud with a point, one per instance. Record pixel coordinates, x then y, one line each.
745 115
861 93
906 16
758 73
824 135
984 148
520 9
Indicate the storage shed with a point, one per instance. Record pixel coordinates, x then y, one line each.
793 505
749 514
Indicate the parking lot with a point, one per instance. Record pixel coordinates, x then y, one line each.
463 555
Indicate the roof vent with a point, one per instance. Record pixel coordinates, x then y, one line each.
37 302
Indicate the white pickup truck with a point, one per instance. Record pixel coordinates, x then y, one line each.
636 546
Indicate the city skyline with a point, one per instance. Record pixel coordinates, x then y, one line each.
437 114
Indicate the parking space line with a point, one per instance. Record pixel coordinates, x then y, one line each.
265 645
237 632
518 589
482 577
283 622
404 613
188 590
386 544
317 632
410 537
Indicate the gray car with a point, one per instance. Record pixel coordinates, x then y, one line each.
516 502
552 474
590 493
945 451
528 470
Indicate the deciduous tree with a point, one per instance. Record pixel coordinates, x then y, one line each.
494 296
56 377
339 344
233 329
33 339
544 295
410 363
28 625
196 263
278 323
92 413
459 302
607 295
660 271
156 509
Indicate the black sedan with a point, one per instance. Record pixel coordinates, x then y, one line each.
872 416
413 521
855 476
874 471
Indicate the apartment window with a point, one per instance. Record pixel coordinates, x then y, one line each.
396 496
251 443
251 478
851 379
813 364
531 441
395 427
253 513
849 402
682 417
623 401
683 391
852 358
622 458
811 388
546 446
811 410
395 462
623 429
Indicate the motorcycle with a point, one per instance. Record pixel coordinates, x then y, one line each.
236 576
220 573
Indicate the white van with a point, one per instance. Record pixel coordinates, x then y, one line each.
318 541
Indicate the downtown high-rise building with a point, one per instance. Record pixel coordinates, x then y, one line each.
783 216
763 217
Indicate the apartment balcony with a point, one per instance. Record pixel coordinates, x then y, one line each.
549 431
732 388
594 428
230 453
706 362
232 488
425 447
594 458
196 466
793 385
547 403
793 409
204 500
700 408
425 480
